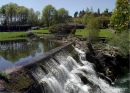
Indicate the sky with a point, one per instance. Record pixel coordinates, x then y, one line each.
71 5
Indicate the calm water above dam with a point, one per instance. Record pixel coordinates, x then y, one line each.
15 52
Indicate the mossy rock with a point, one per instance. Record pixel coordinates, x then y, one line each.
19 81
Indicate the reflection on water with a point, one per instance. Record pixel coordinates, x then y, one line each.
14 52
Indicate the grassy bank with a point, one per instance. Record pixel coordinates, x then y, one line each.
106 33
81 32
12 35
41 32
103 33
22 35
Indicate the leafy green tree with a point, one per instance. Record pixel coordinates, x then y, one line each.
104 21
69 19
49 15
31 17
62 15
11 12
37 13
3 14
22 15
120 16
78 20
88 14
92 28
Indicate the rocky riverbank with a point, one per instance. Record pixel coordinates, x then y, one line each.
109 64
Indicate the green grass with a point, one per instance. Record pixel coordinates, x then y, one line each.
19 35
41 31
12 35
81 32
105 33
22 35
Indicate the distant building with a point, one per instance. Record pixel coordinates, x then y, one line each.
14 28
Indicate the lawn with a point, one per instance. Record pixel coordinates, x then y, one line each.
103 33
22 35
81 32
12 35
19 35
41 32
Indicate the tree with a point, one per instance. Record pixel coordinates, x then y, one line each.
104 21
120 16
49 15
38 14
31 19
98 12
22 15
75 14
105 13
88 13
62 15
92 28
83 12
11 12
3 14
80 14
38 17
78 20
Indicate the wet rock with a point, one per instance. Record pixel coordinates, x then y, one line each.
1 85
83 78
106 60
31 34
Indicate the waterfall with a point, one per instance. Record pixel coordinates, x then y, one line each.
63 74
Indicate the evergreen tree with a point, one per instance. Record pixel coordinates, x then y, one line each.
75 14
98 12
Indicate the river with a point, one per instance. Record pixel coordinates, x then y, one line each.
15 52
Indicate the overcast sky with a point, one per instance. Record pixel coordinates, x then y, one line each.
71 5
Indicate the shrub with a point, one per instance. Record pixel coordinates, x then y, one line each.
92 28
60 28
4 76
121 41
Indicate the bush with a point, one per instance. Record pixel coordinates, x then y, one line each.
60 28
4 76
92 28
121 41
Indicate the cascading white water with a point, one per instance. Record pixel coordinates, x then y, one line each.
62 74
